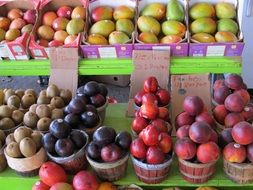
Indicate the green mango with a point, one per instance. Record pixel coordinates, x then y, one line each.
125 25
224 36
225 10
203 25
148 24
148 38
227 24
175 11
118 37
103 27
173 27
201 10
2 34
75 26
155 10
203 38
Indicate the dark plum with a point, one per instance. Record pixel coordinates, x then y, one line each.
77 106
123 139
104 136
82 97
90 119
78 139
91 88
94 151
64 147
97 100
48 142
92 108
102 89
72 119
59 128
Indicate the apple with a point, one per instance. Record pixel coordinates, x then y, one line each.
150 135
155 155
111 152
61 186
138 149
138 98
165 142
85 180
149 111
39 185
138 124
64 11
30 16
149 98
150 84
163 113
160 124
163 97
141 135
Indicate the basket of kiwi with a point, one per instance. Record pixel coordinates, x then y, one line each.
3 163
24 152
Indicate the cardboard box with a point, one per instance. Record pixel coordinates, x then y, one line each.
108 51
17 49
176 49
117 80
217 49
40 52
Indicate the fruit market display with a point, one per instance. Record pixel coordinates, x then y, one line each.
111 25
205 28
159 23
16 23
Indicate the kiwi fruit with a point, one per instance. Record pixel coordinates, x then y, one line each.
36 136
8 93
52 91
33 108
43 111
2 136
43 100
52 107
43 124
31 91
27 147
31 119
5 111
21 133
13 100
1 97
13 108
57 102
27 100
17 116
57 114
9 138
43 93
13 150
6 123
66 95
20 93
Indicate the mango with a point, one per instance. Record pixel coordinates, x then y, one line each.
75 26
123 12
148 38
118 37
60 35
5 23
170 39
203 25
201 10
172 27
27 29
12 34
79 12
97 39
45 32
155 10
203 38
148 24
103 27
225 10
101 13
125 25
175 11
227 24
224 36
2 36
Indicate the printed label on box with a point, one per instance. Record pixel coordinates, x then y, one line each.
107 52
165 48
215 50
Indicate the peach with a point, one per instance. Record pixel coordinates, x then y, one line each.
185 148
165 142
206 117
55 43
221 94
234 81
164 114
208 152
42 42
17 23
225 137
234 103
242 133
60 35
60 23
220 113
250 152
200 132
45 32
244 94
214 136
70 39
233 118
78 12
234 153
193 105
5 23
14 14
64 11
183 131
218 83
248 113
48 18
160 124
184 119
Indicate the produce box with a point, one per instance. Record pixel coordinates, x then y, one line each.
42 52
218 48
176 49
16 49
108 51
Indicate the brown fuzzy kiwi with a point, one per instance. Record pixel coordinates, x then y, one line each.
27 147
13 108
43 100
21 133
13 100
31 119
31 91
1 97
13 150
33 108
36 136
2 137
57 114
8 93
17 116
20 93
43 111
5 111
66 95
57 102
43 93
52 91
6 123
43 124
9 138
52 107
27 100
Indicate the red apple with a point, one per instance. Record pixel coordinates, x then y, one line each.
138 149
160 124
163 97
149 98
85 180
138 97
138 124
111 152
64 11
163 113
150 135
149 111
39 185
62 186
150 84
155 155
165 143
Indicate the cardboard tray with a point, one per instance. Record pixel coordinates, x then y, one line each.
217 48
176 49
108 51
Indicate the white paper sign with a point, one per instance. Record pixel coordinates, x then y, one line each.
215 50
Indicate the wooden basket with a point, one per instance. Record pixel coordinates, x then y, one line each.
219 127
27 167
3 162
239 173
150 173
196 172
110 171
75 162
102 111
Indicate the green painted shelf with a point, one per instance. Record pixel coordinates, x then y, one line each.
179 65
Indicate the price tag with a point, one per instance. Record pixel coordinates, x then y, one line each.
107 52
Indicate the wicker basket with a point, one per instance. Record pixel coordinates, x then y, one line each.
11 130
239 173
102 111
75 162
151 174
27 167
110 171
3 162
196 172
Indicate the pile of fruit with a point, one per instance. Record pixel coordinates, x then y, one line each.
205 29
62 26
233 99
111 26
16 23
156 16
